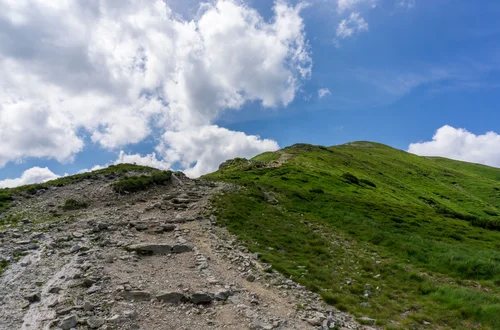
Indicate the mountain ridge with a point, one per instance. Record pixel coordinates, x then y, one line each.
397 240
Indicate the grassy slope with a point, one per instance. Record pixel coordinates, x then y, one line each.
411 238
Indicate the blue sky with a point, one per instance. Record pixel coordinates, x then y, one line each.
422 76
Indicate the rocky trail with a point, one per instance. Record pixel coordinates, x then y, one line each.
150 260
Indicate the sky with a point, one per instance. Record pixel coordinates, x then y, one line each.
188 84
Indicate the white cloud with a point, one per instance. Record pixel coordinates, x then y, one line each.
115 72
459 144
32 175
322 92
202 149
355 24
343 5
148 160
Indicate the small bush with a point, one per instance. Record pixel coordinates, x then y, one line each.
368 183
143 182
73 204
317 190
350 178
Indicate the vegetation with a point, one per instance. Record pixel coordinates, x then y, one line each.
422 232
73 204
142 182
7 194
4 264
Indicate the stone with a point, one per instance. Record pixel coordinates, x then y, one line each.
64 310
136 295
200 297
180 248
87 306
314 322
141 226
69 322
256 256
257 324
367 320
77 234
32 246
222 294
95 322
75 248
172 297
130 314
33 297
114 319
54 289
25 263
93 289
250 277
329 323
150 248
168 227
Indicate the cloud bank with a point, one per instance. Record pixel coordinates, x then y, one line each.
459 144
32 175
113 73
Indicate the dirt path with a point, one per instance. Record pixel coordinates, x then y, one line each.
147 261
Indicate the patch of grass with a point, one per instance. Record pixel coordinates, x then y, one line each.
142 182
4 264
425 225
350 178
368 183
74 204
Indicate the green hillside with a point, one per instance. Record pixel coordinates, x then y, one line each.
413 242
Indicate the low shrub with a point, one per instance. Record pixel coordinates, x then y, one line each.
317 190
350 178
142 182
74 204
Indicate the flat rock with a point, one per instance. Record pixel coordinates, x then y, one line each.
200 297
172 297
137 295
151 248
95 322
180 248
69 322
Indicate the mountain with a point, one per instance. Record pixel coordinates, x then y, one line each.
410 241
356 236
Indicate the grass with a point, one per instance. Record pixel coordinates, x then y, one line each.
142 182
7 195
73 204
4 264
421 231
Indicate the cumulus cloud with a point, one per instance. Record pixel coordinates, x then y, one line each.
201 150
460 144
148 160
32 175
351 26
322 92
112 73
